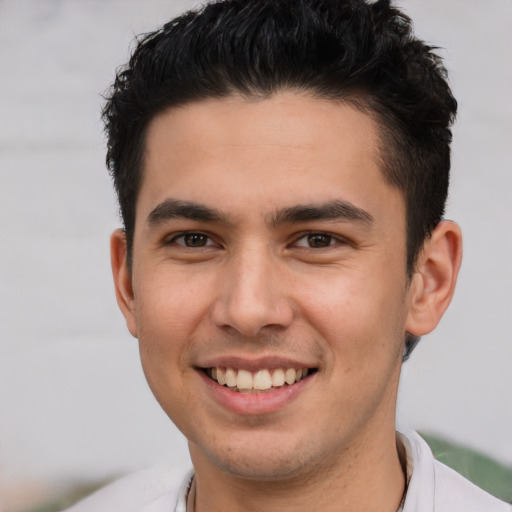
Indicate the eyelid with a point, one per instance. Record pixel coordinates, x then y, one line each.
337 239
171 239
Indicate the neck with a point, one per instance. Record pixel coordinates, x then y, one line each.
367 477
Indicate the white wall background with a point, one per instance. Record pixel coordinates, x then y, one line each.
73 401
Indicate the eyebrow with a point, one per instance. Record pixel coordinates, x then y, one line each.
332 210
179 209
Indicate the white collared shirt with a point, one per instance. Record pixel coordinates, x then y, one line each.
432 487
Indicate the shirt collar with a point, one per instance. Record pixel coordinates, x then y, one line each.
420 473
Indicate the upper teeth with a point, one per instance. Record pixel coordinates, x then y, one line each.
244 380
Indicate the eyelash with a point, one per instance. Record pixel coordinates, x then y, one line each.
332 239
184 234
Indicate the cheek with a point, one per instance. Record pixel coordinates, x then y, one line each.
170 313
170 304
361 328
360 317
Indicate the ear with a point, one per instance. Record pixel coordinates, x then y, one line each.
123 279
433 283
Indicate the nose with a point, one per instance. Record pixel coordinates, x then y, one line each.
252 295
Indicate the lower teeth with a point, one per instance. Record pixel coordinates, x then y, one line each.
252 391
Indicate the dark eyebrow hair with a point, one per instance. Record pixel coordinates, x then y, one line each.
332 210
178 209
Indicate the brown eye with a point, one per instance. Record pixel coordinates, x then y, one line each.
192 239
319 240
195 240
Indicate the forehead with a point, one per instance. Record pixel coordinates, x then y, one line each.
267 153
291 122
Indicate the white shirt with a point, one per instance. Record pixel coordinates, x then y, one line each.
432 487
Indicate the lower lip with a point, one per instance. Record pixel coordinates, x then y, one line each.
255 403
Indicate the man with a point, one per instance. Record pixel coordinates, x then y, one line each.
282 169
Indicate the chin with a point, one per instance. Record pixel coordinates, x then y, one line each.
256 460
262 469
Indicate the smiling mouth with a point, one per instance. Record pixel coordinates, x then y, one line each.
261 381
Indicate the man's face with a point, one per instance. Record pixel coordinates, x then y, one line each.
267 241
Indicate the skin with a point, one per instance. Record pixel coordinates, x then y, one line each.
255 284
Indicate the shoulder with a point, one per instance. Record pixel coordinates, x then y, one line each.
149 490
435 487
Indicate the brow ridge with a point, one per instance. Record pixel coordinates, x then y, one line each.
336 210
332 210
179 209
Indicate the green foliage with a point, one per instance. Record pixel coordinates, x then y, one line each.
483 471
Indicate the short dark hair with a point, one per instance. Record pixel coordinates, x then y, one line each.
347 50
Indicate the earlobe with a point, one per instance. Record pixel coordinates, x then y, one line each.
433 282
123 279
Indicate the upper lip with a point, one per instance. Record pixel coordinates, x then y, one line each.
254 364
